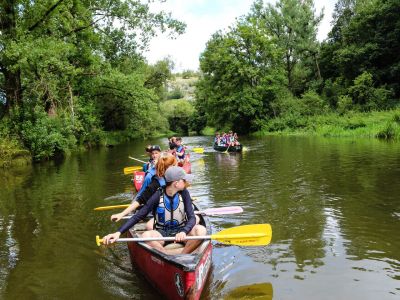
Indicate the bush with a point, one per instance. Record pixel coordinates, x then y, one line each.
44 136
176 93
313 104
345 103
387 132
366 96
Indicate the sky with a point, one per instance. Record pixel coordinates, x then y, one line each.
203 18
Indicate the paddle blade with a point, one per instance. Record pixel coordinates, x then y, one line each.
222 211
198 150
130 170
111 207
246 235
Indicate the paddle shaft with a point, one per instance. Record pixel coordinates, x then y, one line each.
244 235
226 151
139 160
188 238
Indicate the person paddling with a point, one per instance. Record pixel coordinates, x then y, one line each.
173 211
154 152
165 161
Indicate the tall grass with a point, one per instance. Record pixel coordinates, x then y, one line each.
382 125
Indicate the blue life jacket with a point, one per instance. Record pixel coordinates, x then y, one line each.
179 149
170 213
161 181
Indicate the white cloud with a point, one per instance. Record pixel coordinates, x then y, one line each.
203 18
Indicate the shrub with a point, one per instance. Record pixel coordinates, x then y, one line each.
313 104
45 136
176 93
345 103
387 132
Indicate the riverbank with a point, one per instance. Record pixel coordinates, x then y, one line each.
382 125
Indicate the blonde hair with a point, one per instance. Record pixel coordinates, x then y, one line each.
164 162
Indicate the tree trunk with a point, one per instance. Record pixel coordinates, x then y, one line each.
12 87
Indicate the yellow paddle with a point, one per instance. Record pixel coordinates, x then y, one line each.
245 235
121 206
198 150
130 170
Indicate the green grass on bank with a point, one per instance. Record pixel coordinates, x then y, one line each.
12 154
383 125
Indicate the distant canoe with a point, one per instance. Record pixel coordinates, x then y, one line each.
237 148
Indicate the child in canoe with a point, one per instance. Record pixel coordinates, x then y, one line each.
165 161
154 152
173 211
180 150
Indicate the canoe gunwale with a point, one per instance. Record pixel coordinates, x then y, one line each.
237 148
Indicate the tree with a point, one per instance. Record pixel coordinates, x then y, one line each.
241 76
293 24
69 39
365 38
80 61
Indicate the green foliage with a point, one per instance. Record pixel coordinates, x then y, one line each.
197 122
188 74
388 131
353 124
345 103
70 69
45 136
157 76
176 93
366 97
313 104
293 26
241 77
365 37
178 112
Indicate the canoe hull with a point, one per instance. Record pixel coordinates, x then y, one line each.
237 148
174 276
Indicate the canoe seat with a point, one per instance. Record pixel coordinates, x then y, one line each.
174 246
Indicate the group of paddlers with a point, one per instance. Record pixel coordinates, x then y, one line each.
226 139
164 194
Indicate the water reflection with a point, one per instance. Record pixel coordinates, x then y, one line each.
256 291
333 206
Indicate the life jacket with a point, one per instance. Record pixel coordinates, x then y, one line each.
170 213
161 181
179 149
151 171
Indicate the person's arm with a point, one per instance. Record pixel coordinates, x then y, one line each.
134 205
180 154
146 182
141 213
191 218
149 191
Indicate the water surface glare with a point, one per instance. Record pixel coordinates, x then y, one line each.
333 205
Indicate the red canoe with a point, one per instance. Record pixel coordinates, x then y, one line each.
180 276
138 179
186 165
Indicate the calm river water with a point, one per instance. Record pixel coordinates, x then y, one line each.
334 207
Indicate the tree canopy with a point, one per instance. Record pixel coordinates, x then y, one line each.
81 62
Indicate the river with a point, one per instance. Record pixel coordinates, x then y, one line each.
333 204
